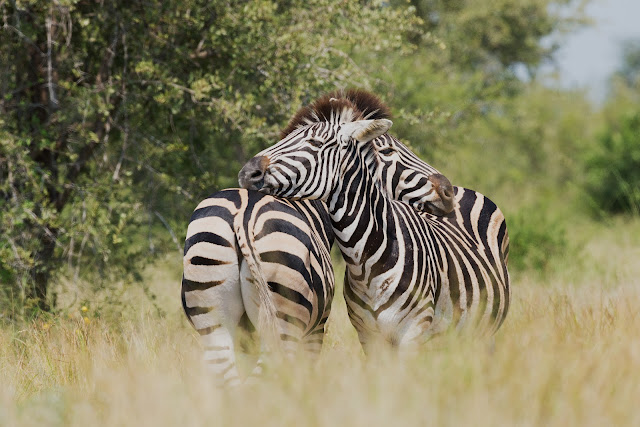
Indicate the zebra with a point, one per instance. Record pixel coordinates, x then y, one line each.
410 275
242 249
251 259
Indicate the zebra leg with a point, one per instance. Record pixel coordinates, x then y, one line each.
219 354
289 331
312 342
215 313
250 297
361 325
247 345
211 294
491 347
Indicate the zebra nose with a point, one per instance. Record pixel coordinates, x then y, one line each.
444 189
251 176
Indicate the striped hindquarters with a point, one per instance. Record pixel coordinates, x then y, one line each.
432 274
293 241
473 242
239 240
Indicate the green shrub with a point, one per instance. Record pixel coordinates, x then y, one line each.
536 240
613 167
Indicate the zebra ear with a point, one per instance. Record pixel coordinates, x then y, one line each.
365 130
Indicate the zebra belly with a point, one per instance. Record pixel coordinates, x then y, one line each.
392 327
409 323
396 323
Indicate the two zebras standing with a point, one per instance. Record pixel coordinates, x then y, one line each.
422 256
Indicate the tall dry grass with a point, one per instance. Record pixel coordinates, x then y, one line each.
568 354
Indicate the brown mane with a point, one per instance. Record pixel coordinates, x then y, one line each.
347 106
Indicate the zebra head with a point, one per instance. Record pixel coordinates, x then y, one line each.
318 144
302 165
405 177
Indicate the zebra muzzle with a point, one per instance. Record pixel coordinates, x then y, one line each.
444 189
251 176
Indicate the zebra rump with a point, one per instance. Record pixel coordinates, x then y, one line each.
252 259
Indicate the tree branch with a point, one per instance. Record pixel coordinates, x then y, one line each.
173 235
53 99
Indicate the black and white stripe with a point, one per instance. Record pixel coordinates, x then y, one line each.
252 256
410 274
256 257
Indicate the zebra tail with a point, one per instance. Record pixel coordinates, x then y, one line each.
246 242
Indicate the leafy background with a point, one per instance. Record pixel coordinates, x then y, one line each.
117 117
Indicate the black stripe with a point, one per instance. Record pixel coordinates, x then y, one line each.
198 260
287 337
216 348
208 330
291 295
506 302
485 218
496 299
196 311
291 319
190 285
454 288
292 261
208 237
283 226
422 182
213 211
184 302
501 233
218 361
466 205
354 298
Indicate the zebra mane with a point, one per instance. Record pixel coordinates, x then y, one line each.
339 107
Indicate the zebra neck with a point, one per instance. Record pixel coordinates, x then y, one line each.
360 211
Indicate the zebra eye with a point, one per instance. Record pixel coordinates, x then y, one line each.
315 142
387 151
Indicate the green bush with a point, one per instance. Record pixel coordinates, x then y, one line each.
536 240
613 167
118 117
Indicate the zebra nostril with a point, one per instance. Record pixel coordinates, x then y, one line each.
252 174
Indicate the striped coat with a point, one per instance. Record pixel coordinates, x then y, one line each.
410 275
252 259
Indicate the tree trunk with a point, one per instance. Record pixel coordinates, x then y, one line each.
38 289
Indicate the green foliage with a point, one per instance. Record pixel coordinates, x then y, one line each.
462 108
495 35
630 70
612 161
119 116
538 241
613 167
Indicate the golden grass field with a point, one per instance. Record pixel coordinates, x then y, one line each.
568 354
